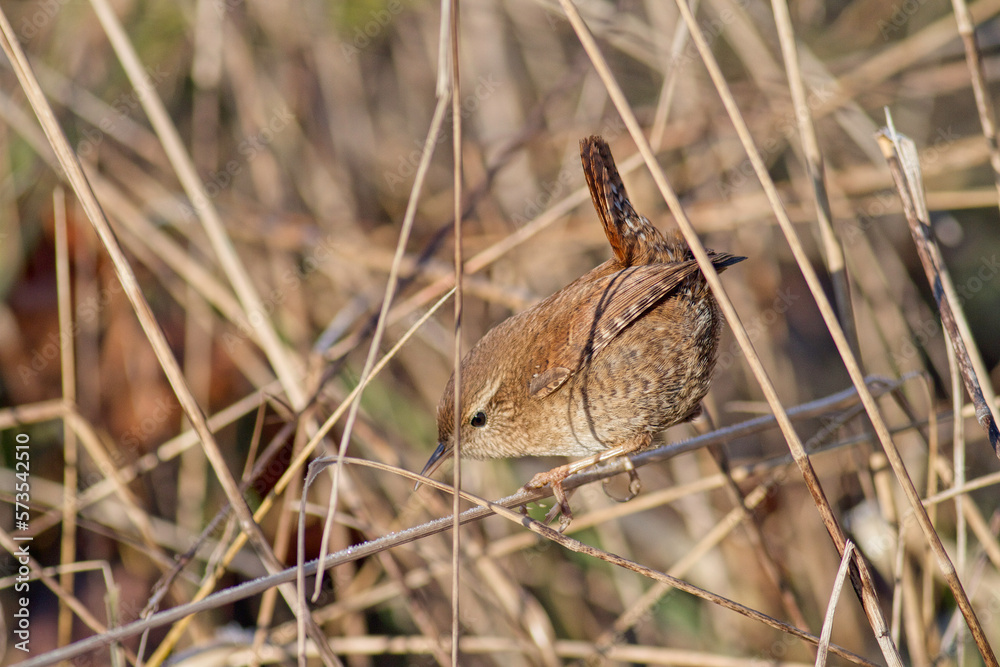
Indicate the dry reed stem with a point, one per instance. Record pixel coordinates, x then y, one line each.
899 153
449 72
867 593
67 361
903 54
296 465
181 161
864 585
984 103
225 598
390 289
65 597
824 638
75 174
484 507
345 134
442 527
958 465
816 170
653 595
126 276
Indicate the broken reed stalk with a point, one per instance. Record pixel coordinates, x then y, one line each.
900 154
896 148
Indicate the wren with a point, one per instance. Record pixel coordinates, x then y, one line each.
601 366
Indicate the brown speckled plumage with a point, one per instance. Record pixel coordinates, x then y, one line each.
608 361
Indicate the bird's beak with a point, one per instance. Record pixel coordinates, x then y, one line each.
434 461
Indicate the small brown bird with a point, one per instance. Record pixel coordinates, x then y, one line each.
602 365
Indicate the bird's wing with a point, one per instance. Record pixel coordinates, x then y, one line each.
581 330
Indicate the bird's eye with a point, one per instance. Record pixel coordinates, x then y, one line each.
479 419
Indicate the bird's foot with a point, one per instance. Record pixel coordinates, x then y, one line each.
634 484
554 479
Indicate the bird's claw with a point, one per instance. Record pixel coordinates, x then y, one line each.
554 479
634 484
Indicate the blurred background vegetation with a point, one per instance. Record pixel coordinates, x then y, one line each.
305 121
